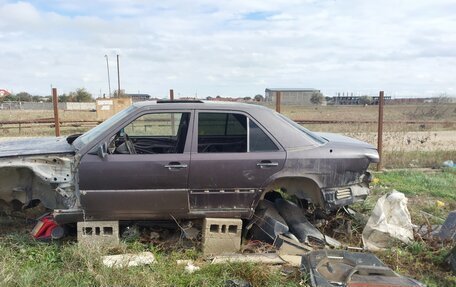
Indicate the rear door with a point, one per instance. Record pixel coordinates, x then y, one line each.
150 183
232 157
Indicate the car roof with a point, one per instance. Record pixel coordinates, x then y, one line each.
197 104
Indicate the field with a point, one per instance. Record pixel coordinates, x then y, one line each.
427 142
410 149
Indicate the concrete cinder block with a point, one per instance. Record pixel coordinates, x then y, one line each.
221 235
98 232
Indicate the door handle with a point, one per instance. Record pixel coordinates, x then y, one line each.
267 163
175 165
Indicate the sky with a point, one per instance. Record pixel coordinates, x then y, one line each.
229 48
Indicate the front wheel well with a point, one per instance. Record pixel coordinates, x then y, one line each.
301 187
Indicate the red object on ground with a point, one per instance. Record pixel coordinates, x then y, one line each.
43 228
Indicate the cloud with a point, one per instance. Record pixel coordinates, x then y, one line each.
232 48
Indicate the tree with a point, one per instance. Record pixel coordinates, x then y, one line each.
23 97
37 98
80 95
247 98
258 98
365 100
317 98
64 98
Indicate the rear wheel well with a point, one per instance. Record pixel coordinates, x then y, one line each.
302 187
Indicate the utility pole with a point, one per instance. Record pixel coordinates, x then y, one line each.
118 77
109 79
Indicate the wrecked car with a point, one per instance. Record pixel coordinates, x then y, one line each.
189 159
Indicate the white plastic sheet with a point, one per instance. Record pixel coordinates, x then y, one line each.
390 221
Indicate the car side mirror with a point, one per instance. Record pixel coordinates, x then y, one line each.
102 150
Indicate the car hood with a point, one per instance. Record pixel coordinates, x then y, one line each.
338 138
35 146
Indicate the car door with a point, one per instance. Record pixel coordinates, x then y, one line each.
151 183
232 157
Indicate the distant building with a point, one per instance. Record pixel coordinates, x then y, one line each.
138 97
291 96
354 100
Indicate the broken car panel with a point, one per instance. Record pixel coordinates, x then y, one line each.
193 159
329 268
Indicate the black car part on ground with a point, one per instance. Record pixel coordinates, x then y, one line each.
297 222
328 268
267 223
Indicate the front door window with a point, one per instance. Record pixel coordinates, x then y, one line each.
157 133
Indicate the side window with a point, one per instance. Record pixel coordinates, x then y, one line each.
258 140
156 133
155 125
222 133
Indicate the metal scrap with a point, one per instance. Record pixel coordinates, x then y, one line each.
448 229
267 223
328 268
297 222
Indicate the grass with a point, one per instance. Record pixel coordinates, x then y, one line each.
421 261
25 262
438 184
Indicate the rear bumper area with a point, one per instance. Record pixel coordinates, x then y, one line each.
340 196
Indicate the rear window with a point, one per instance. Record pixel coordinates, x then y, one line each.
310 134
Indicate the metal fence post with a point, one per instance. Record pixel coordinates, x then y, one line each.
278 96
380 130
55 101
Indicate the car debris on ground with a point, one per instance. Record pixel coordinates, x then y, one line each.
448 229
328 268
272 241
451 260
